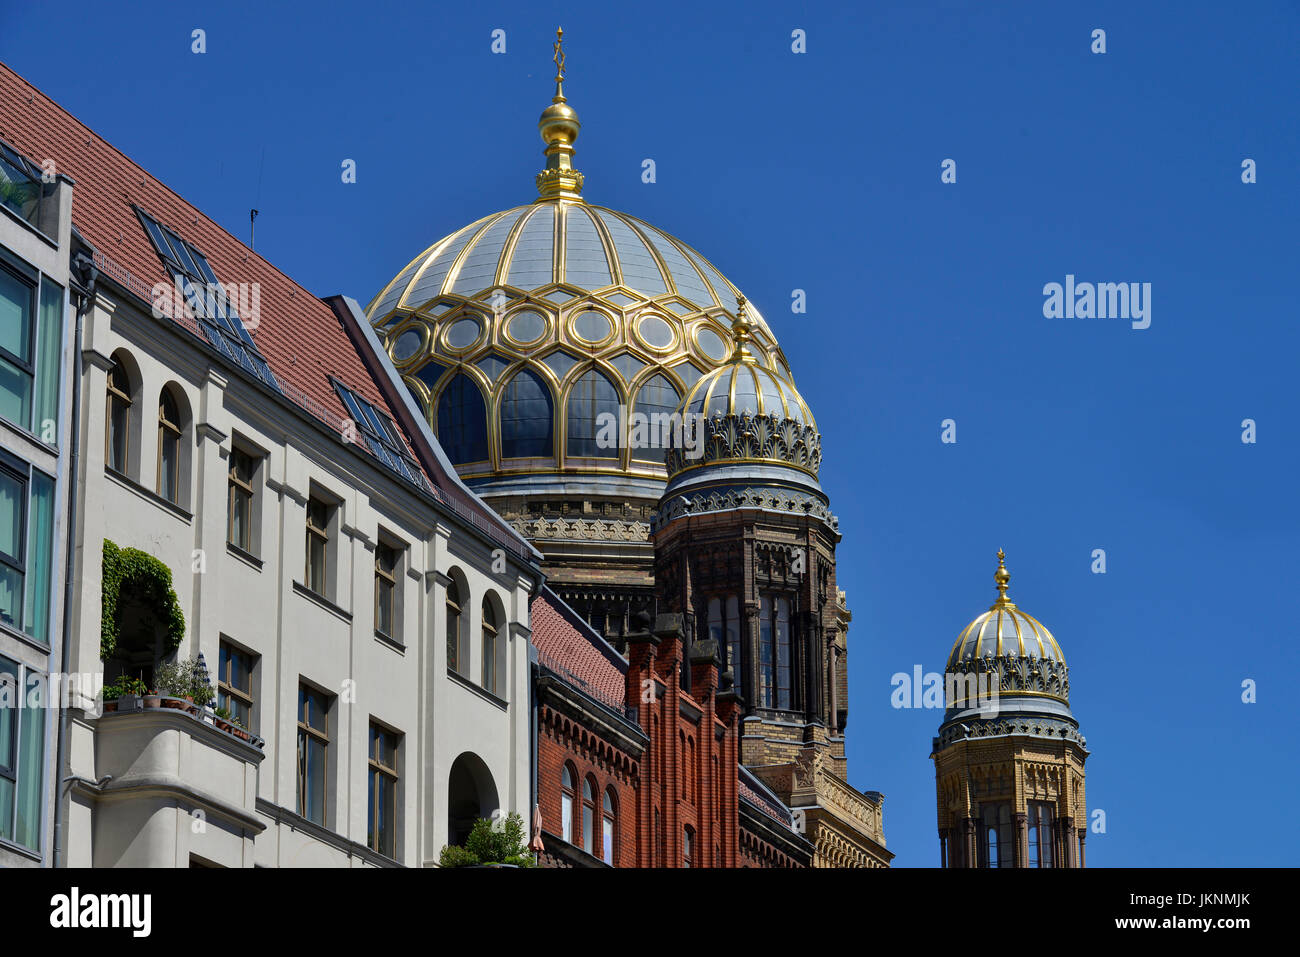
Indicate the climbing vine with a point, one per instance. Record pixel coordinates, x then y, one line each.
152 581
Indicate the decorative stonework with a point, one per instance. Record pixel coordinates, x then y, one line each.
586 529
1016 673
725 500
1042 727
748 438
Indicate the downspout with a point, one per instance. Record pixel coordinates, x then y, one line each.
83 267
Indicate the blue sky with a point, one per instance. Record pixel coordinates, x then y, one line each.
821 172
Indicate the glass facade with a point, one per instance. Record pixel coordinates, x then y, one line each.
592 397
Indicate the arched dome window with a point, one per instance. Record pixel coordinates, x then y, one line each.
592 396
526 418
462 421
657 397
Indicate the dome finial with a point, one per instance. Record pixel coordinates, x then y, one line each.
1002 577
742 333
559 127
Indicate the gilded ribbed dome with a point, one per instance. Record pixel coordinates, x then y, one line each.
519 332
1004 630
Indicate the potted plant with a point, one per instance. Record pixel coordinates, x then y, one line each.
184 684
222 719
123 688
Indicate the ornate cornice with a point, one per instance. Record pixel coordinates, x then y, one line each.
725 500
1018 674
746 437
1039 726
586 529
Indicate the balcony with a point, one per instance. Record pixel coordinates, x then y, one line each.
173 783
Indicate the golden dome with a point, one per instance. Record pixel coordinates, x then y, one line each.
516 330
1004 630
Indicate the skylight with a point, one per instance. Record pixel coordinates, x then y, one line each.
381 435
208 299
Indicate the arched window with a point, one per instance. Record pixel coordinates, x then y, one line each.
608 828
526 418
589 816
454 627
766 697
567 801
462 421
491 639
657 400
783 692
117 433
592 399
169 447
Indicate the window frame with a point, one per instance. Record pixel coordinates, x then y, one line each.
226 651
237 485
490 636
176 432
379 773
308 734
390 576
114 393
454 662
320 536
568 800
609 827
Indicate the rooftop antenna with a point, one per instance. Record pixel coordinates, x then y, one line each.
252 215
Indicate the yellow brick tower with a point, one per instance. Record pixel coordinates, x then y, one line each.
1009 758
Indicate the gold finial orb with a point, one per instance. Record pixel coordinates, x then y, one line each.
742 333
1002 577
559 127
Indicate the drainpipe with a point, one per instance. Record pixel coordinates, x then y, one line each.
83 267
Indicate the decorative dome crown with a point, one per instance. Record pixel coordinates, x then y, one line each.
748 415
1004 630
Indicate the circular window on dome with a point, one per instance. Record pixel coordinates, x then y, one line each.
656 333
407 344
711 344
463 333
592 326
527 326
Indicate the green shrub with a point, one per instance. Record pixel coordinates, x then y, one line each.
485 845
123 685
151 580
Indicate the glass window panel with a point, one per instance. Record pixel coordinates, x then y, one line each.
765 677
49 350
591 397
462 421
526 418
40 555
15 316
15 394
27 811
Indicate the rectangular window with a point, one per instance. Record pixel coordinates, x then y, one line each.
239 507
783 695
382 819
24 192
688 847
318 538
22 736
26 547
766 678
996 834
1040 834
31 344
235 684
385 590
313 753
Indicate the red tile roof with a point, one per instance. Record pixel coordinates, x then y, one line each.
567 644
298 334
753 792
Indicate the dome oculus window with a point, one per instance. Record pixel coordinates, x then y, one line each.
592 326
526 326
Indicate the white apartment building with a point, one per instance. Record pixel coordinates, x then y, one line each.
362 616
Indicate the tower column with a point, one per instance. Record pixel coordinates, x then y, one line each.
1022 838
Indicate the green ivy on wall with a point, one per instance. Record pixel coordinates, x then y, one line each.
152 581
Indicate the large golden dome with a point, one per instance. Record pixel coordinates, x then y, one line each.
517 330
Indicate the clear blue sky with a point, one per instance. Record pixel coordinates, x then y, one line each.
822 172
